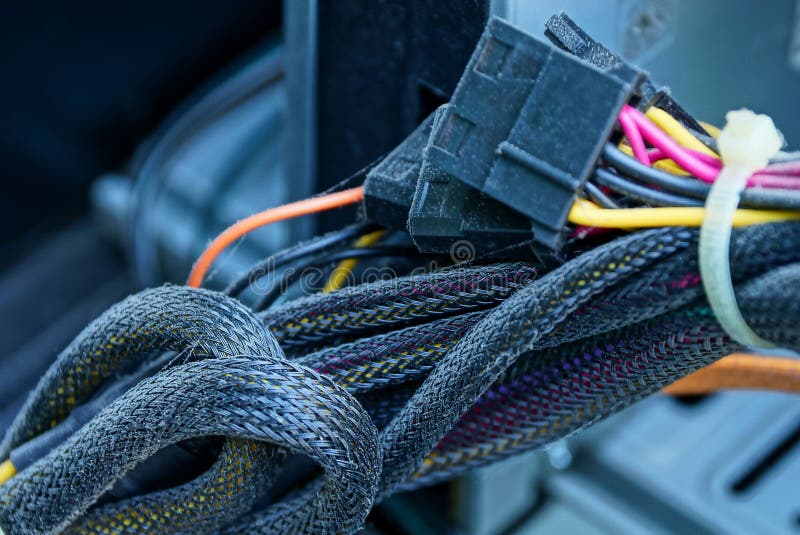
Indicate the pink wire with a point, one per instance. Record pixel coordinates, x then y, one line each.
634 137
701 165
784 169
773 181
659 139
657 155
713 161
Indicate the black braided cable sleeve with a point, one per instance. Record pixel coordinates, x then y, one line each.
408 354
676 281
196 322
512 328
169 318
322 320
384 404
548 395
268 400
390 358
433 372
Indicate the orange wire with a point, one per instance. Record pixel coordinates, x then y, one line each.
741 372
279 213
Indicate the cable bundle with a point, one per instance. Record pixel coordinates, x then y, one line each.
491 362
314 409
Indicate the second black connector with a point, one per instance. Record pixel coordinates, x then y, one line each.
502 163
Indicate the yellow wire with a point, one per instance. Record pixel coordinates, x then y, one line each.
677 131
7 471
665 165
340 273
712 130
588 214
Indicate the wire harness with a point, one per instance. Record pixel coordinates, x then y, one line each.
313 409
422 395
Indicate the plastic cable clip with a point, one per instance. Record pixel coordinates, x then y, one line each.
746 144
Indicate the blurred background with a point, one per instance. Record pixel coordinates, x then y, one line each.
133 132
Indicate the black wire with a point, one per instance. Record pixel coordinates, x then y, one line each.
692 188
356 252
641 193
314 246
777 199
596 195
689 187
355 179
374 251
705 138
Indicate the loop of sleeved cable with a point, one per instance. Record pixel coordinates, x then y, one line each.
197 323
168 318
267 400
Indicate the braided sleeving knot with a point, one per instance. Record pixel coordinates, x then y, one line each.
196 322
600 287
168 318
269 399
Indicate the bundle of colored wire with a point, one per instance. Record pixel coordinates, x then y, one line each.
629 172
659 139
688 152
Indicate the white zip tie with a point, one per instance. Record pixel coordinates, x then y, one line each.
746 144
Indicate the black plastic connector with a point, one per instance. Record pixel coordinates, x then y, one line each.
389 186
567 35
446 211
526 125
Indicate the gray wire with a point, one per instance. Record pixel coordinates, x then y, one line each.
598 196
689 187
693 188
641 193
